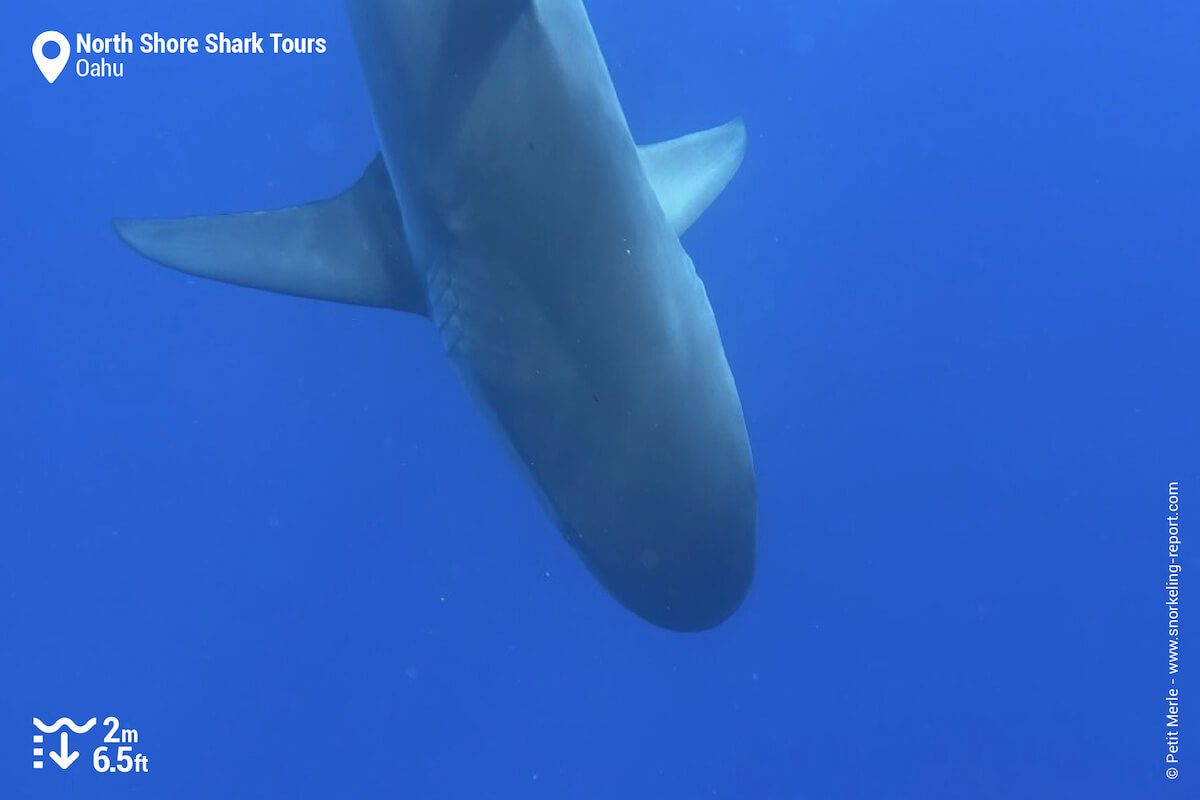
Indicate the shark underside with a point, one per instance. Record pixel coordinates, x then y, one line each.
510 206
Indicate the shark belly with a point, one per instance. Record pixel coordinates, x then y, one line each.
630 431
510 206
566 301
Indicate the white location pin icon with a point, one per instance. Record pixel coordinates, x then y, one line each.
51 67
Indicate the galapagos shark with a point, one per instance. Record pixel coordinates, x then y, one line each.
511 206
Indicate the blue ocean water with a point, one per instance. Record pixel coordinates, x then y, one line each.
956 279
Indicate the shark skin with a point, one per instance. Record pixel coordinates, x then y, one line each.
512 207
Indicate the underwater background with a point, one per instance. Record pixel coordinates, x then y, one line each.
956 279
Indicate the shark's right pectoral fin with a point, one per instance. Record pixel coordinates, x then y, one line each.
349 248
688 173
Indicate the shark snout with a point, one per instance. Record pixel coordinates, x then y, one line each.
689 571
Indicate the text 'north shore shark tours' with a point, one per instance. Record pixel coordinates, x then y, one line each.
93 56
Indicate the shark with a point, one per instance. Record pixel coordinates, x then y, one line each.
510 205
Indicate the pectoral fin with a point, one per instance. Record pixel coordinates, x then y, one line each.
689 172
349 248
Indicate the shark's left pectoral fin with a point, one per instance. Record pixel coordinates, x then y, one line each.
349 248
689 172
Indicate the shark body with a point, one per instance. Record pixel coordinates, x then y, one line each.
512 207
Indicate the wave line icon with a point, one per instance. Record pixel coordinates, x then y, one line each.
44 728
